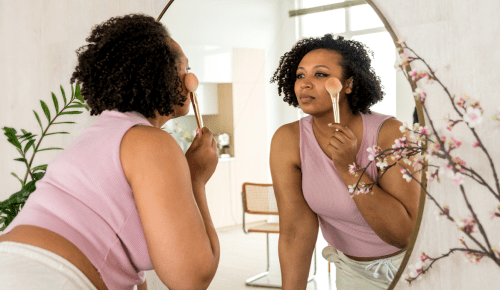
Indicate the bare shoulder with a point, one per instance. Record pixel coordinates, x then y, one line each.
144 146
389 132
288 132
286 142
147 138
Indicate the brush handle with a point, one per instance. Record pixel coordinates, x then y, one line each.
335 101
337 115
196 109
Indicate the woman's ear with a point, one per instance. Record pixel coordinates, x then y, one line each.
348 85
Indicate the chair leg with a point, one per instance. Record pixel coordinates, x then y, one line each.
267 240
328 267
250 281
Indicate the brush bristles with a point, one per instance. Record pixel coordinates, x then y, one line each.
333 85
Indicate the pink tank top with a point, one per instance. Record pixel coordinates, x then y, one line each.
341 222
85 197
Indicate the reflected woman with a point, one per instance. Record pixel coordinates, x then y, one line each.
122 198
310 159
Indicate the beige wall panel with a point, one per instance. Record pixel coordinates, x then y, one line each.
457 39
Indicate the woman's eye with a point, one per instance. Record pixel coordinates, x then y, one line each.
320 74
188 69
299 76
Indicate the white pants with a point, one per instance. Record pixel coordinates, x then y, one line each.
361 275
28 267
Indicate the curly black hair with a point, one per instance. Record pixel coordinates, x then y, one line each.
129 65
356 63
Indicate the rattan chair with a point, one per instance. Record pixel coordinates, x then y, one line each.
259 199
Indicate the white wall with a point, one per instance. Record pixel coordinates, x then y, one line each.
458 39
243 24
38 40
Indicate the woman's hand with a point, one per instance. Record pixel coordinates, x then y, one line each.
202 156
342 147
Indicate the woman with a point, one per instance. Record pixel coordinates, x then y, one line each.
122 198
310 162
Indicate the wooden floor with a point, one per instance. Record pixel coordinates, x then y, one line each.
244 256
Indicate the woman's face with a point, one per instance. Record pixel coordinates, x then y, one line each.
314 69
183 68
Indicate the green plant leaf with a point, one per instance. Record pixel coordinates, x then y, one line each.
64 95
72 92
50 148
78 94
38 119
70 113
12 137
40 167
15 175
55 123
38 175
21 160
76 105
48 134
27 147
16 201
56 104
27 136
45 110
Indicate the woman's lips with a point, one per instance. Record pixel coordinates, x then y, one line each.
306 99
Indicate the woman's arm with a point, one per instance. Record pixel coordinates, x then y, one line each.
169 191
392 209
298 223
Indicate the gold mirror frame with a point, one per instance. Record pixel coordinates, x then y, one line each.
421 121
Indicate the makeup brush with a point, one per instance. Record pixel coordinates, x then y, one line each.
333 86
191 83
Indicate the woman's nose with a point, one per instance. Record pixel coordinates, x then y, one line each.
305 83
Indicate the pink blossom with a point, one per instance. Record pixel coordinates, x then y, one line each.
445 211
419 94
455 143
473 116
474 257
466 225
372 152
398 143
459 164
460 102
423 130
457 178
417 75
432 174
476 144
353 169
406 175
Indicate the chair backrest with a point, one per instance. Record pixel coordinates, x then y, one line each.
258 198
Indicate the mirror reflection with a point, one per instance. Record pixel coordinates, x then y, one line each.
250 111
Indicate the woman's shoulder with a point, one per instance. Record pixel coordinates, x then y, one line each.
287 133
139 141
148 136
286 143
389 131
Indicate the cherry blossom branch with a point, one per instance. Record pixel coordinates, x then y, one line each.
423 270
434 77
